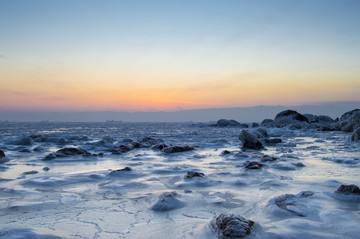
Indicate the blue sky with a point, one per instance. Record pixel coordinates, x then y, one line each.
221 49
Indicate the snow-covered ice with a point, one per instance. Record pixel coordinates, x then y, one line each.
172 180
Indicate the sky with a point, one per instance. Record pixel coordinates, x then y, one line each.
121 55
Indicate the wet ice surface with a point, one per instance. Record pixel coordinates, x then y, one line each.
146 193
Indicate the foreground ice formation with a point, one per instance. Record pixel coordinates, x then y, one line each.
229 225
167 201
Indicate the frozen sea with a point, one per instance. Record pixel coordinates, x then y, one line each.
89 196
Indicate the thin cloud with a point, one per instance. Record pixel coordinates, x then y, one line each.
2 56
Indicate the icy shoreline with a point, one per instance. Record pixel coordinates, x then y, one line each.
120 186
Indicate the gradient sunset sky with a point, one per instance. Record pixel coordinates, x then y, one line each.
122 55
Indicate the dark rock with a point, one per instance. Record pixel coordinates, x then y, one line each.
177 149
23 141
193 174
254 125
26 150
273 141
227 123
126 169
46 168
225 152
38 149
349 121
148 142
293 114
249 140
30 172
253 165
292 117
229 226
121 148
267 122
66 152
356 135
159 147
348 189
268 158
2 154
71 151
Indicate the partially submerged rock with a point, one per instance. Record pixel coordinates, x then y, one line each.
66 152
27 141
253 165
249 140
229 225
2 154
167 201
348 189
177 149
116 172
193 174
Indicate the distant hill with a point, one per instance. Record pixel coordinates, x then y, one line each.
241 114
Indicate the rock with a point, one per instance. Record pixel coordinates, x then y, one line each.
148 142
30 172
225 152
227 123
254 125
26 150
293 203
159 147
348 189
167 201
46 168
228 225
193 174
66 152
356 135
249 140
349 121
268 158
273 141
105 141
2 154
123 148
23 141
262 133
253 165
38 149
266 122
177 149
287 117
126 169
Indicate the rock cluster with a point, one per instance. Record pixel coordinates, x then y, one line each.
229 226
229 123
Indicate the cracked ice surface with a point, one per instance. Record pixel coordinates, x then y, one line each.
79 196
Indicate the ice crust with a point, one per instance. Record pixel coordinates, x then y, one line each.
115 180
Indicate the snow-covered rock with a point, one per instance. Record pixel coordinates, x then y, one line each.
356 135
349 121
167 201
229 225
